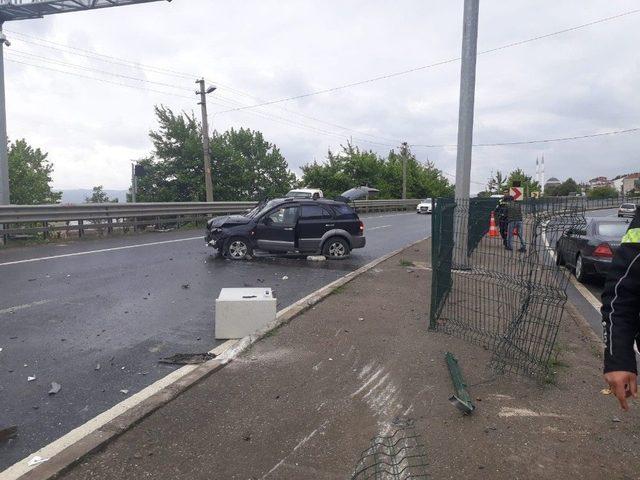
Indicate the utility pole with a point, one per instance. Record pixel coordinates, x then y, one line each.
404 177
205 138
467 97
4 160
465 130
134 182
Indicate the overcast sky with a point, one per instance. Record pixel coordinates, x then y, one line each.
577 83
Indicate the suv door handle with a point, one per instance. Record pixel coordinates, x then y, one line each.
289 228
329 224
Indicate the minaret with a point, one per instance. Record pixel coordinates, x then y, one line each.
537 171
542 175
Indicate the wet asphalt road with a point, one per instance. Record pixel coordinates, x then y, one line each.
125 308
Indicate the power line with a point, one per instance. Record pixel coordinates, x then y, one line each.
431 65
98 79
92 55
91 69
530 142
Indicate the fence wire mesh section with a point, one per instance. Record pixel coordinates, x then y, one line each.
509 301
399 456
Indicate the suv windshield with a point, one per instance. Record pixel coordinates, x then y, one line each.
628 205
262 208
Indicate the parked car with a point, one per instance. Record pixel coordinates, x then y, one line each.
313 193
289 225
589 251
425 206
627 210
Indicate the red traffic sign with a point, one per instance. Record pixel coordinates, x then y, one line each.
516 193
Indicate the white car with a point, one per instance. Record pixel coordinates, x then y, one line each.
425 206
627 210
305 193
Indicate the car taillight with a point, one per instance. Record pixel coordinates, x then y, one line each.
361 227
603 250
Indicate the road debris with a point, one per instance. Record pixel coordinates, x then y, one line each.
185 286
616 420
55 388
8 432
316 258
124 391
188 358
605 391
285 277
30 379
37 460
97 367
460 398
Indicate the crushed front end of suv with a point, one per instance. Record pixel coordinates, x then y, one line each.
289 225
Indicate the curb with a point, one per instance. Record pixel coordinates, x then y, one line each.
99 437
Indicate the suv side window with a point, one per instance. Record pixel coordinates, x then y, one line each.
314 212
284 216
345 211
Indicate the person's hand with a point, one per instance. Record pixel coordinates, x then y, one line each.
623 385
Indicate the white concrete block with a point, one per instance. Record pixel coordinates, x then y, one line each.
243 311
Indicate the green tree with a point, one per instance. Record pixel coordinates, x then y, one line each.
30 175
602 192
351 167
497 183
244 165
568 187
99 196
527 183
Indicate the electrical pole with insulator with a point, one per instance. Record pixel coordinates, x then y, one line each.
205 137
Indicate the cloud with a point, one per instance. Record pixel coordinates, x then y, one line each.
576 83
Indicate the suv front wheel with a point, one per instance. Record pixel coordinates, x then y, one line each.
336 248
238 248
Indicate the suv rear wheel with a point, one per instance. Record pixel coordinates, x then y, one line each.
336 248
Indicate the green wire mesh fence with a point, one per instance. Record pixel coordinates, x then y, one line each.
510 301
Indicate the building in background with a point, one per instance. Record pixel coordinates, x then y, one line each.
600 182
631 183
552 182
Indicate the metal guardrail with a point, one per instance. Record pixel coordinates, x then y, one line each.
24 220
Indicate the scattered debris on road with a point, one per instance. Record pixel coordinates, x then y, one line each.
30 379
7 433
124 391
316 258
460 398
97 367
36 461
55 388
188 358
616 420
285 278
185 286
605 391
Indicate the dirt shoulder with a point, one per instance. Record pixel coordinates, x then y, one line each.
305 401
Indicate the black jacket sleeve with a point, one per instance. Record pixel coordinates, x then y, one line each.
621 303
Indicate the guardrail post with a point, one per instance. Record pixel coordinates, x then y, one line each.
46 232
109 225
80 229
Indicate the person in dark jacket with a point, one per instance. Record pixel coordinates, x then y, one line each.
514 219
501 216
621 316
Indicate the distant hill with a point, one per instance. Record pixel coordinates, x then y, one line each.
78 195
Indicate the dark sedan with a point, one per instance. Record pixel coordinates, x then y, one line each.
589 251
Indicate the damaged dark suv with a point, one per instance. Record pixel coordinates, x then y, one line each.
289 225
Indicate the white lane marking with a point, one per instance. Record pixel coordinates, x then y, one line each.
22 307
368 382
525 412
20 468
102 250
375 228
363 218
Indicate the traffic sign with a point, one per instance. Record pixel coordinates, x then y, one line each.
516 193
